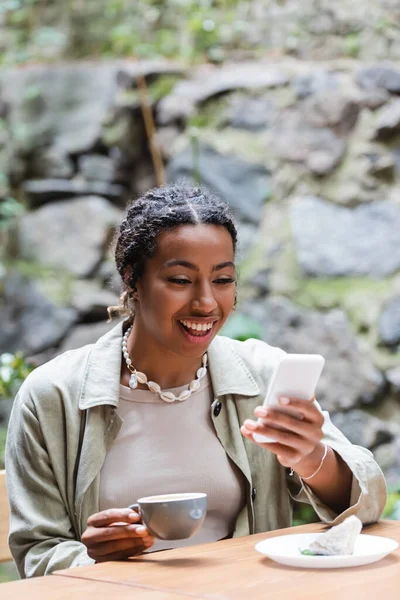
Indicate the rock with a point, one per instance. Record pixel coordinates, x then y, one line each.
388 121
247 238
332 241
321 23
379 76
57 234
229 177
165 139
374 98
97 167
250 112
65 105
124 131
295 141
208 81
321 163
365 430
382 166
349 379
90 300
389 323
353 181
331 109
260 281
387 457
42 191
85 334
6 405
110 277
30 322
313 83
129 71
51 163
143 178
59 105
393 377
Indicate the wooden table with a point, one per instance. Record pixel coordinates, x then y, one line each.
74 588
226 570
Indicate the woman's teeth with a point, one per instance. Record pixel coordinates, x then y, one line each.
197 326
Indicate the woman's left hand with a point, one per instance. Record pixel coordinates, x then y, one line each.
298 444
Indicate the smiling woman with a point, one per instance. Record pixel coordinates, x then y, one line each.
162 404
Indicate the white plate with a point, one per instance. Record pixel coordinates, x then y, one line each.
285 549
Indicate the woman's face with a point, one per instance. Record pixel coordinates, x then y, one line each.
188 288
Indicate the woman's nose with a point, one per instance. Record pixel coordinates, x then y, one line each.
204 300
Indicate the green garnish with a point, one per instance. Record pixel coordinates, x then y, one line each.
308 552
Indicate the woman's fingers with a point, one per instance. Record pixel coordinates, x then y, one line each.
127 547
95 535
282 437
287 455
306 407
116 534
113 515
301 427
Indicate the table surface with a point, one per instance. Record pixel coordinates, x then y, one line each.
74 588
225 570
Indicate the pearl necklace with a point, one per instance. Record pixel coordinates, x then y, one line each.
138 377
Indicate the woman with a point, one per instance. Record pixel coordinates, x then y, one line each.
161 404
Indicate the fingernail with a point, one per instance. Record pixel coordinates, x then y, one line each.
263 412
133 516
284 400
141 529
250 425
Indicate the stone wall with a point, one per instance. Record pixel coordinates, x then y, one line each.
307 154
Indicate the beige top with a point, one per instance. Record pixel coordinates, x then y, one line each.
171 448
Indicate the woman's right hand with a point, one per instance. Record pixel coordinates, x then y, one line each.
115 534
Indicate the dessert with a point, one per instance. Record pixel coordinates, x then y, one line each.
337 541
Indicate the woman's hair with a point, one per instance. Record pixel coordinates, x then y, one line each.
161 209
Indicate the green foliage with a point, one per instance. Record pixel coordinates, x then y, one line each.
13 370
8 572
3 435
392 508
10 209
162 86
184 29
240 327
352 45
303 514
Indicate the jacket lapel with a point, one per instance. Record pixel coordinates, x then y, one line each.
232 383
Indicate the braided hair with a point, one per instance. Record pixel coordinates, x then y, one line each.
158 210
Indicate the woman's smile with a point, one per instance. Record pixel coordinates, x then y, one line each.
197 331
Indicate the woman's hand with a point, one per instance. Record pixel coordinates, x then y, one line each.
298 444
115 534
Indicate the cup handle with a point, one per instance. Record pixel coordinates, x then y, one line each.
135 507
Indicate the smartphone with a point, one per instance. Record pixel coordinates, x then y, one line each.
296 376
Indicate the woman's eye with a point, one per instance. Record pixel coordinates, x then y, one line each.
224 281
179 281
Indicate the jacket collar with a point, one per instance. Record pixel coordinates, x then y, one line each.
229 374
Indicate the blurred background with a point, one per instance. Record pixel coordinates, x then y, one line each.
289 110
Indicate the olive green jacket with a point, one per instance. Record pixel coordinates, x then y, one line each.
64 421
